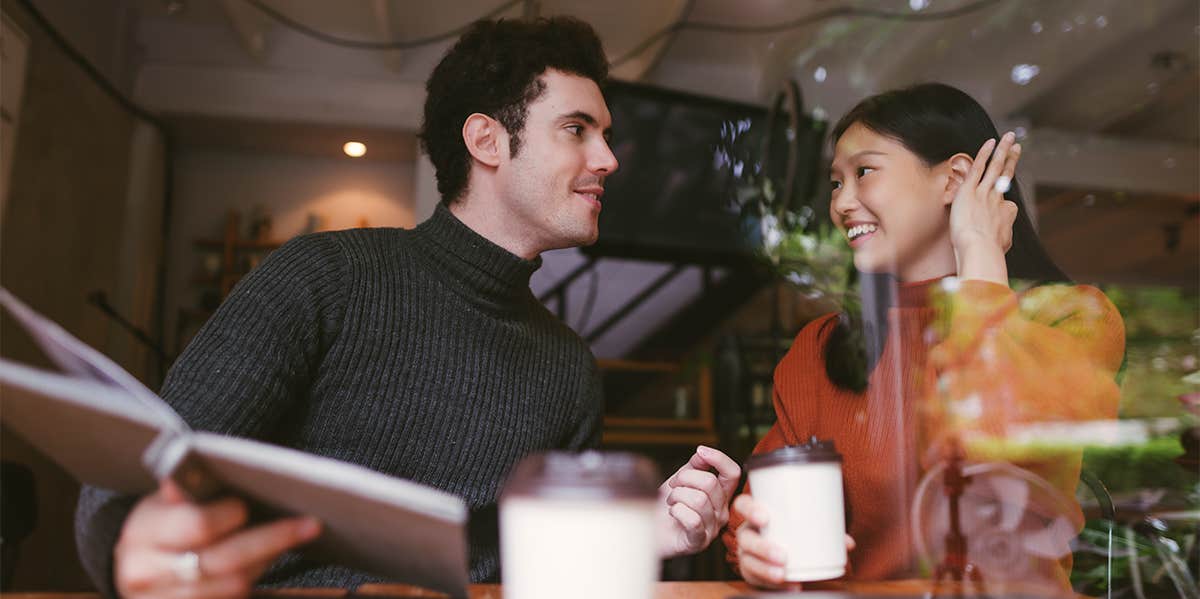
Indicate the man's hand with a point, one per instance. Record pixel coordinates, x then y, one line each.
694 502
172 548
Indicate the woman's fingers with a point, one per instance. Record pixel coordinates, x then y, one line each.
979 163
1010 165
751 542
751 510
760 573
761 562
1006 176
1006 230
999 160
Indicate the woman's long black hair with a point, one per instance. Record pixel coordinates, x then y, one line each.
934 121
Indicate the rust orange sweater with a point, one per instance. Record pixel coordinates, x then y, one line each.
1048 354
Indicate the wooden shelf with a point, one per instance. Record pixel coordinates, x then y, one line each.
236 255
617 422
649 430
634 366
622 437
242 244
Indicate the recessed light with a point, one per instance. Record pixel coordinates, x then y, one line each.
354 149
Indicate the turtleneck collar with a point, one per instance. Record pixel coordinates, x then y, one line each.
916 293
477 265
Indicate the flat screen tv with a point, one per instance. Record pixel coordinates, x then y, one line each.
688 164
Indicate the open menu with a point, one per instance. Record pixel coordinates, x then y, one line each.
108 430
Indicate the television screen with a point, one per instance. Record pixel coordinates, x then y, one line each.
688 164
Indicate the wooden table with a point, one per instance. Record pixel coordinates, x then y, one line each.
665 590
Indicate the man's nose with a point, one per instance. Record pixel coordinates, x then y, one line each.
603 161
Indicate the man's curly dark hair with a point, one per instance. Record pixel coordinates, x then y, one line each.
495 68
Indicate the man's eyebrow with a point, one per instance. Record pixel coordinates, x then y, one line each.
580 115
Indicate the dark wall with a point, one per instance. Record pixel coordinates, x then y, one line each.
66 232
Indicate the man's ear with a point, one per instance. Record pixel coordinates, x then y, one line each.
957 167
485 138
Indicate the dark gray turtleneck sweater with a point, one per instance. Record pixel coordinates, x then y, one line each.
421 354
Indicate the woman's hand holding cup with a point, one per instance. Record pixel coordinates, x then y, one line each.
762 563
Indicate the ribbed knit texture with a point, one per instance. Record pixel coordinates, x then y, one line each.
421 354
1048 354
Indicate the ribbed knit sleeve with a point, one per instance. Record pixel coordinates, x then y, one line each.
99 516
246 366
590 412
258 354
1009 360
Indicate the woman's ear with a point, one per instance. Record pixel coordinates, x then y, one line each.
483 137
957 168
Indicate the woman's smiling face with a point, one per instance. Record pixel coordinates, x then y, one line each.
894 208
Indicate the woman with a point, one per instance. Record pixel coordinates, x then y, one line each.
923 190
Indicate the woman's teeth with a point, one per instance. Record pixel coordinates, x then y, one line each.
859 230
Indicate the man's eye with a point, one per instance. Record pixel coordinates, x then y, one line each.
576 130
863 170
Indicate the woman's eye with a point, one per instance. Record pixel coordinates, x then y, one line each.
836 185
863 170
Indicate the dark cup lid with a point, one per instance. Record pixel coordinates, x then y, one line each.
587 475
815 451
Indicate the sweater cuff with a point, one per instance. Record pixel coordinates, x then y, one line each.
99 517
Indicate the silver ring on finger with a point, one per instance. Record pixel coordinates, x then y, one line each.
186 567
1003 184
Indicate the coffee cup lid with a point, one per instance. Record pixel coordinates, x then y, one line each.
815 451
587 475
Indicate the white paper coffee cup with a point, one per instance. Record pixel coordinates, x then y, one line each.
583 522
801 488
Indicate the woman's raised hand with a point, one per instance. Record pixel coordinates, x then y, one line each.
981 219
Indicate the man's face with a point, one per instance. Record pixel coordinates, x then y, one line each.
553 186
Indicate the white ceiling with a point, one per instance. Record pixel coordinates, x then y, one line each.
1095 59
1110 102
1112 68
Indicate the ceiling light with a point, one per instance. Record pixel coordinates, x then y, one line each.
354 149
1022 74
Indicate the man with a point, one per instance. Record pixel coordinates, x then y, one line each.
421 354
